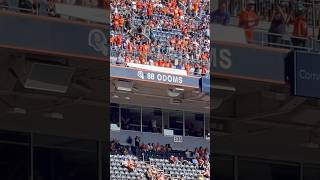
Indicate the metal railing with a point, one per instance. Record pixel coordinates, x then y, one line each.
114 54
286 41
264 10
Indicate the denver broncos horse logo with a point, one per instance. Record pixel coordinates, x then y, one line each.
98 41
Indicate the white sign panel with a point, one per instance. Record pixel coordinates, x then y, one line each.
179 72
168 132
166 78
177 139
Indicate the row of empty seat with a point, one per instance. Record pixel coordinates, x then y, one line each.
173 171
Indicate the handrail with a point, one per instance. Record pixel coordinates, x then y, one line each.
154 55
264 34
285 37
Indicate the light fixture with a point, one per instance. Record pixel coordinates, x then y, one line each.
179 89
54 115
173 93
311 145
123 85
115 96
39 76
127 98
17 110
223 87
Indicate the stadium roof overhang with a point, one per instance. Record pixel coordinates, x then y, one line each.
54 36
129 88
263 120
81 108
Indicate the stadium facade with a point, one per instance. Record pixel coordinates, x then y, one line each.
159 89
269 107
53 97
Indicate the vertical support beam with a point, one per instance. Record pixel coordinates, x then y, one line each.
31 156
313 19
204 125
301 171
235 167
120 116
183 124
100 165
140 118
162 124
314 24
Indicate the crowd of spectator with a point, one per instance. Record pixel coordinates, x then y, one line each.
198 158
281 15
171 34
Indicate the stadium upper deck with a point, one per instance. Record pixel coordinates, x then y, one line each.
180 53
286 24
173 34
31 38
80 10
74 31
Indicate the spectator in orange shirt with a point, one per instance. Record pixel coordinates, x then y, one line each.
175 12
161 63
187 67
149 9
131 165
248 19
119 40
203 70
116 18
140 5
142 60
127 59
167 64
140 49
165 10
205 56
130 47
145 49
195 7
112 40
156 63
300 30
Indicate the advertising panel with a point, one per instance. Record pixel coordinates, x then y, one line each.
306 81
53 36
248 63
154 76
